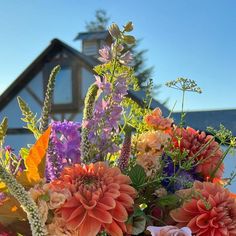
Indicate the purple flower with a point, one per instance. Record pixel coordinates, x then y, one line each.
103 127
176 178
126 58
64 147
105 53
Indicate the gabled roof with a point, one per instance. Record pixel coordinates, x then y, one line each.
92 35
200 120
56 46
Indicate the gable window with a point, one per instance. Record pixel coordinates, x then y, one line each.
63 93
66 97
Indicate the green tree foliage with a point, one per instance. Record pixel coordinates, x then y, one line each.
100 23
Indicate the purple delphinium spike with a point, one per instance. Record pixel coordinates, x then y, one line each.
64 147
107 113
125 151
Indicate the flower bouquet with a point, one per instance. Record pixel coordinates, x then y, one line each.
125 170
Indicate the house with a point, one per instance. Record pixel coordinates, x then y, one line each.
72 82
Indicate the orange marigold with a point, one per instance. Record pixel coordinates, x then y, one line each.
210 211
101 197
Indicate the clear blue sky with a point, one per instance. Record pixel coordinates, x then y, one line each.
185 38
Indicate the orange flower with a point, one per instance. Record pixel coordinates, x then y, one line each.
211 211
149 150
101 198
157 121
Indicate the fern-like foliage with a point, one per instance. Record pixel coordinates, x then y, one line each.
3 130
29 117
48 99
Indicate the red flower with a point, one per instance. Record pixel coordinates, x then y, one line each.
193 141
101 198
210 212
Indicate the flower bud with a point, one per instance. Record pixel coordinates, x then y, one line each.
129 26
114 30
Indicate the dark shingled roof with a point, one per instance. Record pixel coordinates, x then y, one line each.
92 35
200 120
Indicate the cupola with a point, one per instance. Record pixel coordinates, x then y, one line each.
93 41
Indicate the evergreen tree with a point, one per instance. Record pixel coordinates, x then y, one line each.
100 23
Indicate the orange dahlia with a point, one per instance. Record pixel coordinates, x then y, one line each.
101 198
210 212
157 121
193 142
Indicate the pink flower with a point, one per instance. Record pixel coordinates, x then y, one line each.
210 211
105 53
169 231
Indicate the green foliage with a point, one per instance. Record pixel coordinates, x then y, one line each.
48 99
138 221
24 152
223 135
100 23
137 175
29 117
3 130
133 115
170 201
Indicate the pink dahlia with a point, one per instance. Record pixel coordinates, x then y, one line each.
169 231
193 141
101 198
210 212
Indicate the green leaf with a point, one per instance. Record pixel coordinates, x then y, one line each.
45 197
24 152
137 175
129 39
28 117
169 200
138 225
